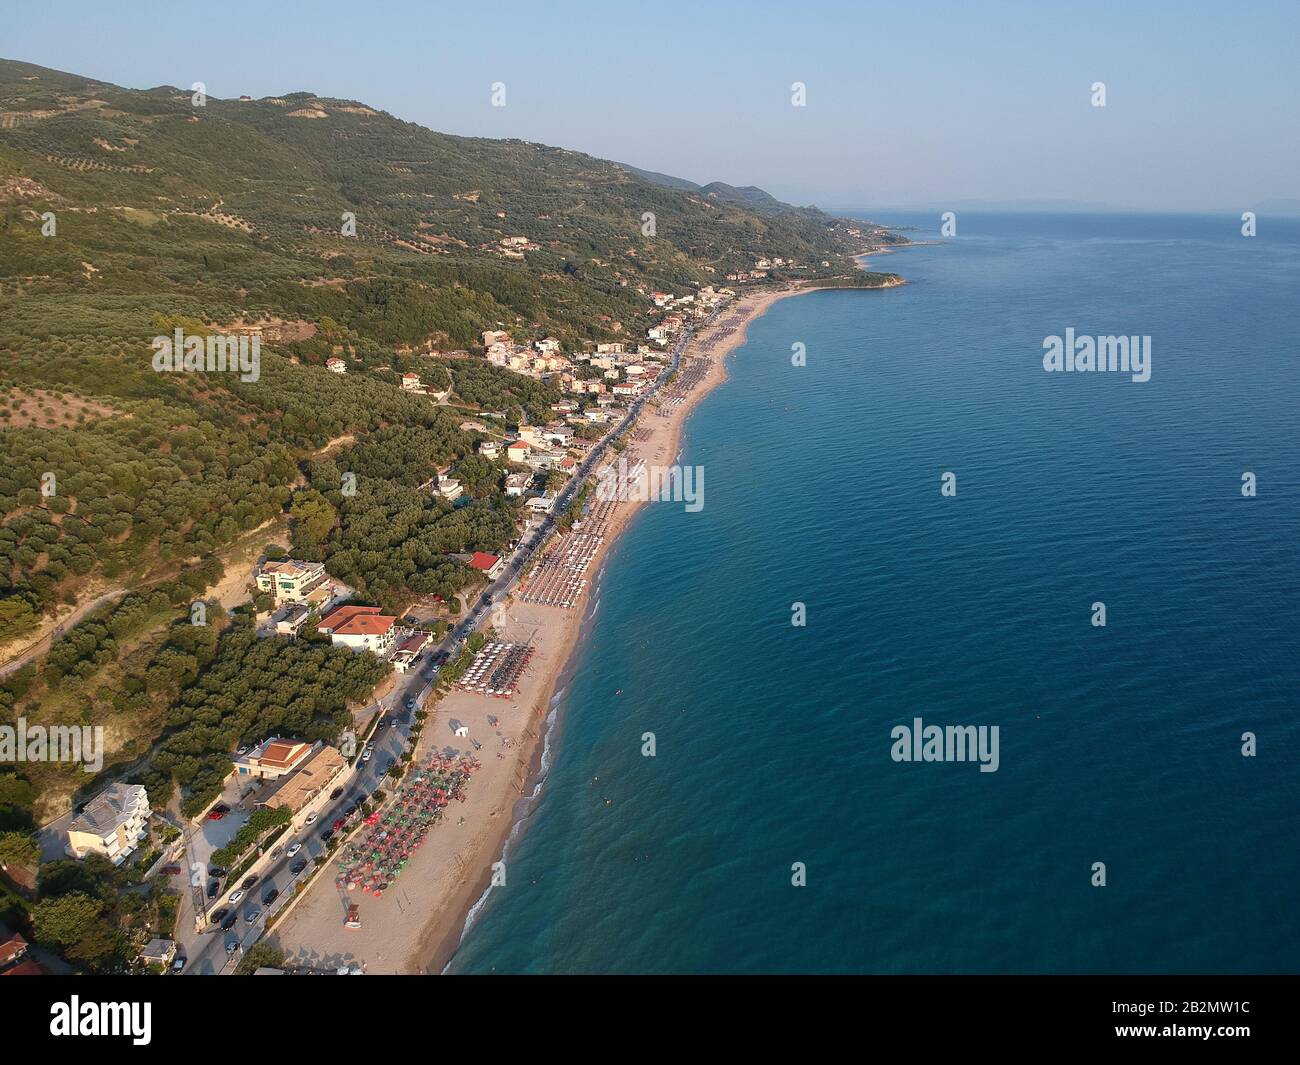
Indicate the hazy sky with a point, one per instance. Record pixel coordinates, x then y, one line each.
907 103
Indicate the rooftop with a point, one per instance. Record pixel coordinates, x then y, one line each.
108 809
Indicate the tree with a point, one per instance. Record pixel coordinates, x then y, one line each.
260 956
19 849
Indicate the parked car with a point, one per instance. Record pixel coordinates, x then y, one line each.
333 795
216 871
213 888
215 815
235 897
366 757
298 866
219 915
270 897
339 824
293 849
311 819
229 921
326 835
249 881
178 963
252 915
232 946
410 704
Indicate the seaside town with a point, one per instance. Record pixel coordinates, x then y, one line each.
302 861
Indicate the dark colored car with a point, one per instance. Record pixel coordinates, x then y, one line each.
336 793
249 881
217 871
270 897
213 888
298 866
219 915
228 922
326 835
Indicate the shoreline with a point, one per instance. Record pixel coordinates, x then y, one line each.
419 925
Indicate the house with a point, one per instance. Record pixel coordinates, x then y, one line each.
411 382
307 789
290 580
409 650
336 366
489 449
291 619
272 759
549 346
489 565
13 948
158 952
518 450
112 824
362 628
540 459
449 488
541 504
627 388
517 484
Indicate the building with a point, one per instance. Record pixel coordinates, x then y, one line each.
291 618
489 449
518 450
290 580
489 565
273 759
13 948
411 382
409 650
540 504
112 824
307 789
158 952
517 484
336 366
449 488
362 628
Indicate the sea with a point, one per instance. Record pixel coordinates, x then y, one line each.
724 788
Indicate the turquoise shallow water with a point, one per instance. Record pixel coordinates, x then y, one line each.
1119 745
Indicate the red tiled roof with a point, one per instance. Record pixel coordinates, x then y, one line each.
344 614
366 625
482 560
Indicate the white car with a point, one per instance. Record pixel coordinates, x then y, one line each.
366 757
293 850
311 819
235 898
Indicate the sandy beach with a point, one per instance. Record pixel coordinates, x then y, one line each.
417 925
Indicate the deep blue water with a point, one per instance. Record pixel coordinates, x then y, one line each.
1120 745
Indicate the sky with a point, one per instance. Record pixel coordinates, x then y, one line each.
907 104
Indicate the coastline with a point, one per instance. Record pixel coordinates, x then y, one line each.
419 924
